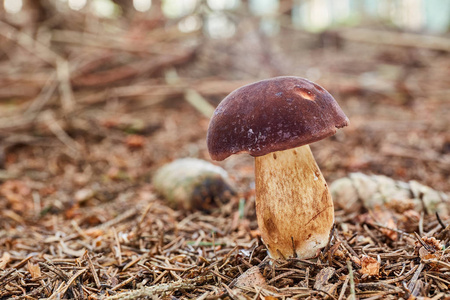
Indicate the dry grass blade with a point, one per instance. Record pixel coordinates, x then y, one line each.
351 280
415 277
93 270
27 42
200 103
396 39
155 290
74 147
59 293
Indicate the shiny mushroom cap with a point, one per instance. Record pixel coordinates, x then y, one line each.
273 115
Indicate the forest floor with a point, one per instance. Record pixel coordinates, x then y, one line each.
86 119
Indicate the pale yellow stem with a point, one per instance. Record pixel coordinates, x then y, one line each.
293 204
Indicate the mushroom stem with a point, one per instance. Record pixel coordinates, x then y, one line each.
293 204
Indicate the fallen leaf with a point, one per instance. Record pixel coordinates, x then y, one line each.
355 260
250 278
391 234
382 217
135 141
73 211
322 278
255 233
94 232
369 266
432 252
84 194
4 261
13 216
34 270
18 195
433 242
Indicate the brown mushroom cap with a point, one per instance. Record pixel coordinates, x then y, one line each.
273 115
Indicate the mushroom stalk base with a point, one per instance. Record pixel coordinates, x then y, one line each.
293 204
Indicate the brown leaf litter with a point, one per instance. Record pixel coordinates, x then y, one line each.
89 116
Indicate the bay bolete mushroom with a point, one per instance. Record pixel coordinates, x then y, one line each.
274 120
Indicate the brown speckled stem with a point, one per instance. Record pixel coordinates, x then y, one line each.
293 204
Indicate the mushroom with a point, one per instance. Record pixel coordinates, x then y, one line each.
274 120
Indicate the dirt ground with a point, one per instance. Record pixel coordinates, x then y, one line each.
84 124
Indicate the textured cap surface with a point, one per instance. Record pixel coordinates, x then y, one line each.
273 115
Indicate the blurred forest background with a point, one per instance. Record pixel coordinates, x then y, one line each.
76 69
95 95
